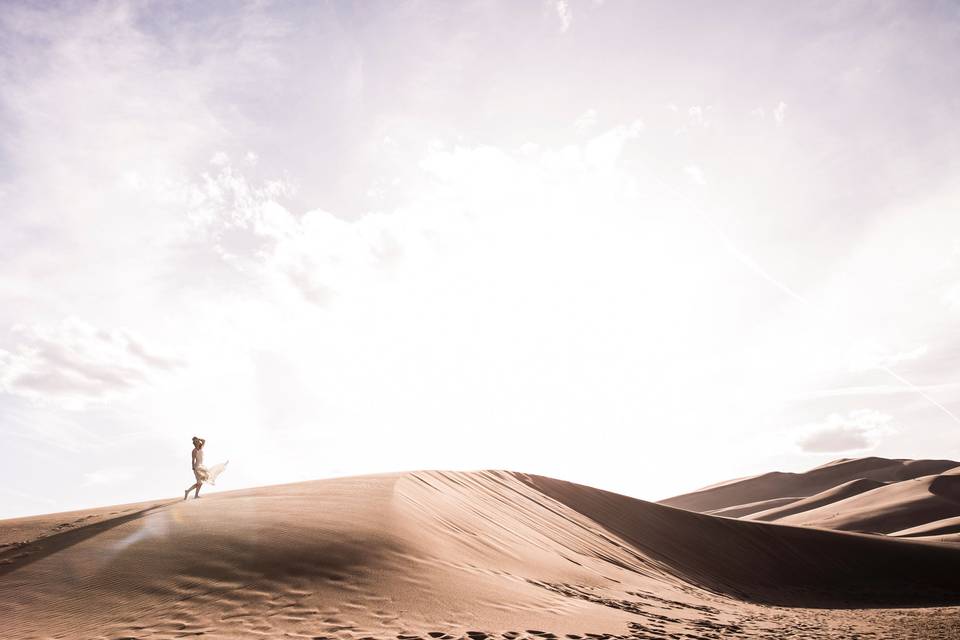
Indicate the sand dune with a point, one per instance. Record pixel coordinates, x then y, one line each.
905 498
835 494
741 510
763 562
780 485
889 508
934 528
452 555
951 538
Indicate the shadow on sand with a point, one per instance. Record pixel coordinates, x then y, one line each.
29 552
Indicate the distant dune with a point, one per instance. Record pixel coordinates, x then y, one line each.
890 508
906 498
947 526
776 485
476 555
741 510
835 494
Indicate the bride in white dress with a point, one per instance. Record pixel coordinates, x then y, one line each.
203 474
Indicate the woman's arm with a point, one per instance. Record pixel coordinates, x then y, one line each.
193 459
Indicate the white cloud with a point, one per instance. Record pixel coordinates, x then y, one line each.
695 173
565 15
699 117
317 253
780 113
220 159
74 363
240 220
951 297
28 498
857 431
604 149
879 390
869 355
586 121
107 476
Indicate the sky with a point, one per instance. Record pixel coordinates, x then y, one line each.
645 246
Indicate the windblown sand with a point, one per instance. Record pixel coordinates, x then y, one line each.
482 555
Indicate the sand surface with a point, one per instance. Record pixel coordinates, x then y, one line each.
444 555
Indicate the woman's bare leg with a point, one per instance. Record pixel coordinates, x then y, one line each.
193 486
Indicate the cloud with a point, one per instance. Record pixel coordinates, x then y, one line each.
566 16
321 256
699 116
951 297
74 363
858 430
586 121
780 113
107 476
869 355
247 224
220 159
695 173
603 151
238 219
878 390
28 498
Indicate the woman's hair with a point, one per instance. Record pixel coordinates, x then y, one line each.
197 440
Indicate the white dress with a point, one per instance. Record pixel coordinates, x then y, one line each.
208 475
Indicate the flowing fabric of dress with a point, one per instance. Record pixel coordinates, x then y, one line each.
209 475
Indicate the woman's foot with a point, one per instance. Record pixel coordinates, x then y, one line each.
186 494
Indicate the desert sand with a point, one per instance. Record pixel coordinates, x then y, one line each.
478 555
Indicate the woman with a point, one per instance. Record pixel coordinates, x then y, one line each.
200 472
